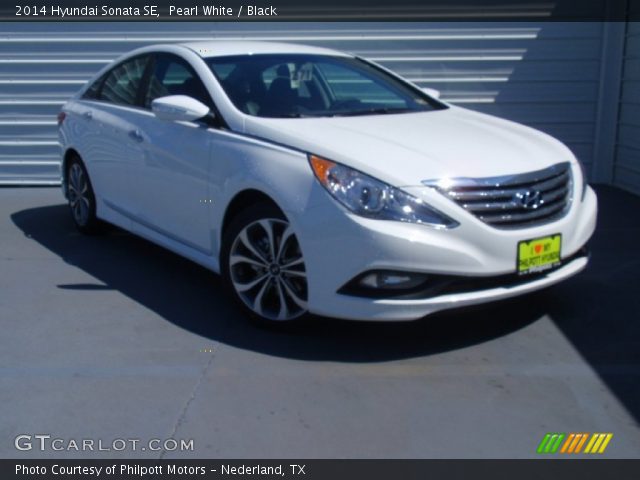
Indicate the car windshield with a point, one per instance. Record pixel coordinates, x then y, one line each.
297 85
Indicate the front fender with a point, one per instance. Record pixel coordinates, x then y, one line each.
281 173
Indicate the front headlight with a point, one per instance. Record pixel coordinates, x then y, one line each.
368 197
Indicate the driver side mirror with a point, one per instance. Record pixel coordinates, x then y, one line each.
432 92
179 108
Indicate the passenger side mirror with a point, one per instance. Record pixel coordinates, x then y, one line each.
432 92
179 108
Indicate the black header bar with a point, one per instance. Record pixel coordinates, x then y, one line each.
319 10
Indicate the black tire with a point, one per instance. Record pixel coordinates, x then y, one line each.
81 198
282 302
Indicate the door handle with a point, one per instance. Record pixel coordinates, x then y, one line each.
136 135
88 115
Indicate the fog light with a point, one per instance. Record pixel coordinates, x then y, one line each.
392 280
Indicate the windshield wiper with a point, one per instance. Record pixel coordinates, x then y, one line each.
373 111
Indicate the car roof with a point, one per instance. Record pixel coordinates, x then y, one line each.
222 48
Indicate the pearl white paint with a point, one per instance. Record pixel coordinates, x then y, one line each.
171 183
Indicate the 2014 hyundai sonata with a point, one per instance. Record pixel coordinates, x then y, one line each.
317 181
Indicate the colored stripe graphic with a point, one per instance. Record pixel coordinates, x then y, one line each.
556 445
572 443
598 443
565 447
591 443
604 445
581 442
577 437
550 443
543 443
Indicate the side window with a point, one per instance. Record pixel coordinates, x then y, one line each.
94 89
121 84
171 76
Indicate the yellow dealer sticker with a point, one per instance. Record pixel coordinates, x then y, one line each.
539 254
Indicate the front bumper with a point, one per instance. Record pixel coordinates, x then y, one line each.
338 246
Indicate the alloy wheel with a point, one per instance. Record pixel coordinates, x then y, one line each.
267 270
79 199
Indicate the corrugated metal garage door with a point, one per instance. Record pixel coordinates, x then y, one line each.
627 165
542 74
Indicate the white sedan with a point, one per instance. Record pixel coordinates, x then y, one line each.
317 181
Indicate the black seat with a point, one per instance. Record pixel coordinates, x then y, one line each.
281 98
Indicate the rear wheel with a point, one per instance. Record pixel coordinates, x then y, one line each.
263 266
82 200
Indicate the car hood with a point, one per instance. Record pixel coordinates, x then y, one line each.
405 149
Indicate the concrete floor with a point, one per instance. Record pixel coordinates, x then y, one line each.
109 337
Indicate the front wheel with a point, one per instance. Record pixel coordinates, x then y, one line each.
262 264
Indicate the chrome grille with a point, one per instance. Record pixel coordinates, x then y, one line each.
514 201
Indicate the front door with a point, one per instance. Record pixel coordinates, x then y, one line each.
174 180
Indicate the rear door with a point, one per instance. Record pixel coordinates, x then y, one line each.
115 148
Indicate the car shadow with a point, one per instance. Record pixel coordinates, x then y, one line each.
193 298
598 311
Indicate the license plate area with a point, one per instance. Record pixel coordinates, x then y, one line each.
539 254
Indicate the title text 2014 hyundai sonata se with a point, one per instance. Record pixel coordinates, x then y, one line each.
317 181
